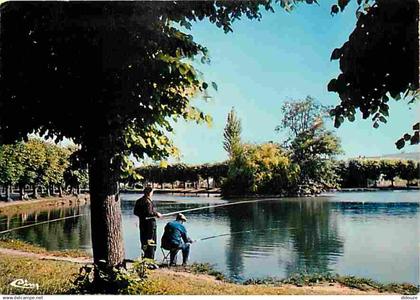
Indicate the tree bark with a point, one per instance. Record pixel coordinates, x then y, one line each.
21 192
35 191
106 220
60 191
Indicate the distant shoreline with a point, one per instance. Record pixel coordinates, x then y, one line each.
217 192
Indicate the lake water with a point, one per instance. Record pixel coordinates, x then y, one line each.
370 234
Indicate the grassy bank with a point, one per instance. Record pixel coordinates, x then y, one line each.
6 243
19 206
55 277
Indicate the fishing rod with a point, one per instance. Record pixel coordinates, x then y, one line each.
39 223
236 232
212 206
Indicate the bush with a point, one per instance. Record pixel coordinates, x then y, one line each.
260 169
96 279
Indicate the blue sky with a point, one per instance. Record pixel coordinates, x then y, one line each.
283 57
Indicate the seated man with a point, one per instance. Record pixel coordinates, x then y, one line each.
175 238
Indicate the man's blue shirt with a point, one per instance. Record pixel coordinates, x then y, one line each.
175 234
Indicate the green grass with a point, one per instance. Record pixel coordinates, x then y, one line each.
207 269
53 277
363 284
26 247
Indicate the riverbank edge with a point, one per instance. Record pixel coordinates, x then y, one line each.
201 278
218 192
13 207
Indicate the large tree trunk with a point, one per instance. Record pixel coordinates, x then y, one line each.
106 222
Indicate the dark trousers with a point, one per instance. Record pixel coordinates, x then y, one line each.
147 233
185 248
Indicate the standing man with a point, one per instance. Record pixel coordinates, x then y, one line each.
146 212
175 238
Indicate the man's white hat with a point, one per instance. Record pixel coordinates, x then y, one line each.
181 217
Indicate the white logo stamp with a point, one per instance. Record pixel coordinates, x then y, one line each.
24 284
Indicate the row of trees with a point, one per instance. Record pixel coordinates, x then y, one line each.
182 173
360 172
39 164
275 172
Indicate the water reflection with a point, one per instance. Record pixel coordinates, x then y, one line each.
71 233
363 236
305 228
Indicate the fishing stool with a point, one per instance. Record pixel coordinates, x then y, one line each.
167 255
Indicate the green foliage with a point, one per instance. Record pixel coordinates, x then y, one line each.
208 269
363 284
232 134
298 116
413 138
379 61
93 279
408 170
11 164
357 172
314 151
181 172
260 169
390 169
312 147
35 162
131 63
76 173
57 161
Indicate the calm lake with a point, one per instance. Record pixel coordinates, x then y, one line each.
366 234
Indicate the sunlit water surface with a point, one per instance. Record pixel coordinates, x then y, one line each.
368 234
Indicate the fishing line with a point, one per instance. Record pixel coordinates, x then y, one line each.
236 232
214 206
39 223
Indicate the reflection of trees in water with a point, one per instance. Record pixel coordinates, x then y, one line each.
406 209
72 233
257 217
315 237
306 224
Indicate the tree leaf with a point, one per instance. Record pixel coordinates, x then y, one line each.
334 9
400 143
336 54
415 138
382 119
